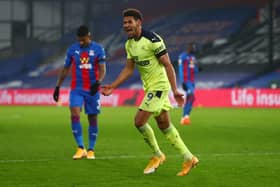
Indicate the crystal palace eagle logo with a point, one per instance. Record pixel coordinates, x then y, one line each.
84 58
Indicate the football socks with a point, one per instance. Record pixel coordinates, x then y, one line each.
188 105
174 138
150 138
77 130
92 133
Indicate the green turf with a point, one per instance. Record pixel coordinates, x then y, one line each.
236 147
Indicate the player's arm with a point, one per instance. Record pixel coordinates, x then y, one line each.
62 75
181 72
123 76
102 71
160 52
95 87
66 67
102 64
180 69
165 61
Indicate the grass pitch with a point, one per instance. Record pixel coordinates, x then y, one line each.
236 147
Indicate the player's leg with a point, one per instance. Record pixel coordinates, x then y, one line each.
76 101
173 136
92 108
145 111
92 135
147 132
188 104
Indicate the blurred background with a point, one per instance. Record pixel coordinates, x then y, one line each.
238 41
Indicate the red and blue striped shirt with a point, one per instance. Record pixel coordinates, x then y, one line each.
85 64
187 67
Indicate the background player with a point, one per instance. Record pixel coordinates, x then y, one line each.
87 59
187 70
147 51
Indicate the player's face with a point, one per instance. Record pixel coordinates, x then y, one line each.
132 27
84 40
191 49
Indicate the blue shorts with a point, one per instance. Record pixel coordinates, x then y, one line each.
190 88
78 98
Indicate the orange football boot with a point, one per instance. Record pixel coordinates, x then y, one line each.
80 153
154 164
90 154
188 165
185 120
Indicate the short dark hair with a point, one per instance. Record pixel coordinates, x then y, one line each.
82 31
133 12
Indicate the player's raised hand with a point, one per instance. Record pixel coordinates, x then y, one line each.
179 97
56 94
107 90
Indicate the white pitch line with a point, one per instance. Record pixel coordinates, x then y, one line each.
112 157
240 154
21 161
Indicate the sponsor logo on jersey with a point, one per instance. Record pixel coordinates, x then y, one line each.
85 66
84 58
142 62
192 63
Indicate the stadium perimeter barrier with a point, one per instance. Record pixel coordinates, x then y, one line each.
235 97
